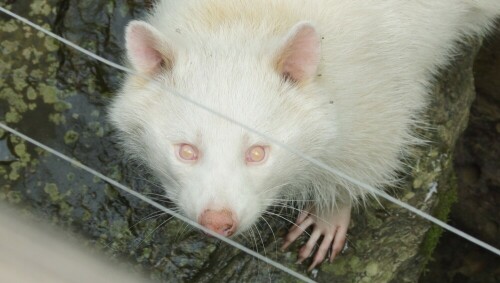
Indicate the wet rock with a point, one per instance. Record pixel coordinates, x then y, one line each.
6 155
477 162
58 96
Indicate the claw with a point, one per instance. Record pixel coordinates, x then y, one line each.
302 216
339 242
308 248
333 229
296 231
322 251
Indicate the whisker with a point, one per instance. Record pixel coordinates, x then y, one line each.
264 249
272 188
256 246
152 232
287 220
148 217
300 211
180 233
158 196
272 232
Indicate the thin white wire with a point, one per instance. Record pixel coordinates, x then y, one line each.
67 42
318 163
155 204
120 186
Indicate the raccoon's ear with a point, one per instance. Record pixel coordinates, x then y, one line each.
300 53
146 49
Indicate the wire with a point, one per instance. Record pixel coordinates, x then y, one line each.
155 204
298 153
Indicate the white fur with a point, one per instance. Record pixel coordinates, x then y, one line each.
377 61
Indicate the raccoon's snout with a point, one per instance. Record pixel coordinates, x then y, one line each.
219 221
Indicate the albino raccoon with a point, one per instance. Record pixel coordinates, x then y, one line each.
342 81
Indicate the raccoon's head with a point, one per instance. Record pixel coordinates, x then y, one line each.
221 174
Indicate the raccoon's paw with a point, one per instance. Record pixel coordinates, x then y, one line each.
332 228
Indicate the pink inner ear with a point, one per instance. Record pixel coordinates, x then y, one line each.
142 41
300 57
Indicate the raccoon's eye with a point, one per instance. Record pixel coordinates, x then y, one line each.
256 154
187 152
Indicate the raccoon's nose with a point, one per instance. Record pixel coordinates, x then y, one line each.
219 221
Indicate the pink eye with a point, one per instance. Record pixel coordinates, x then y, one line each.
256 154
187 152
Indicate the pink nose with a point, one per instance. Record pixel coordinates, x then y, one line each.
219 221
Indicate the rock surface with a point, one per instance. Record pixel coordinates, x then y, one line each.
477 163
58 96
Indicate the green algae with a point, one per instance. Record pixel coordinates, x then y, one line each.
71 137
446 200
9 26
51 44
111 192
57 118
48 93
15 168
53 191
31 94
13 197
70 176
380 241
9 47
40 7
12 117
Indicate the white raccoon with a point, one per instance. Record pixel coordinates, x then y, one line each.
342 81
